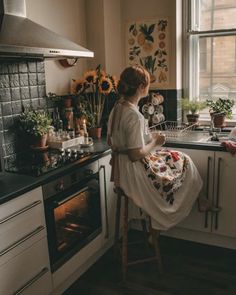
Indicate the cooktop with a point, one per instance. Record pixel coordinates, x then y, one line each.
37 163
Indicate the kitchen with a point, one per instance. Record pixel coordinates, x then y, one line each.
104 35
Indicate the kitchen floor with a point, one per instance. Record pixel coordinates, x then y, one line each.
189 269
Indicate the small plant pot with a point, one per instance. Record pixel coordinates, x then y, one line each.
41 142
95 132
193 119
219 120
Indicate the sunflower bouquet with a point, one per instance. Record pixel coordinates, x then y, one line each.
93 89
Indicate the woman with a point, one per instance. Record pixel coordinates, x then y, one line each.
165 184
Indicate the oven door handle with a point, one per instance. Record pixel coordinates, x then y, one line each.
105 195
70 197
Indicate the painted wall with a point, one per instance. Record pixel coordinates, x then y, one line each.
100 26
138 10
66 18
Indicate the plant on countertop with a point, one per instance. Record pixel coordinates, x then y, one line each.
221 106
34 123
192 106
93 90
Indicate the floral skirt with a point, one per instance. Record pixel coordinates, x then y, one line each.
166 170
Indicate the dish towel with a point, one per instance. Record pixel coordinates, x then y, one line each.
230 146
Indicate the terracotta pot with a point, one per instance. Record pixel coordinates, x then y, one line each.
95 132
219 120
193 119
41 142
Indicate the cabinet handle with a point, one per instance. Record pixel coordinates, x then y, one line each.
207 189
20 211
106 209
17 243
217 192
30 282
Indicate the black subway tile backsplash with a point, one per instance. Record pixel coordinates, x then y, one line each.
24 80
23 68
14 80
21 84
5 94
15 94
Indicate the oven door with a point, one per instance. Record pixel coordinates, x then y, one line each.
73 219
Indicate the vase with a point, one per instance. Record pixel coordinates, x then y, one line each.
95 132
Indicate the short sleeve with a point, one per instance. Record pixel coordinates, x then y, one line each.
134 132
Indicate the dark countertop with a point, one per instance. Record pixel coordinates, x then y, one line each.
14 184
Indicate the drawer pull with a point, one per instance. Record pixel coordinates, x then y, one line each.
17 243
20 211
30 282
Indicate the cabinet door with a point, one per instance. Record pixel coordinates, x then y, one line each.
109 197
225 194
204 161
27 273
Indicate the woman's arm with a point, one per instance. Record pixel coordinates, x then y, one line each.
139 153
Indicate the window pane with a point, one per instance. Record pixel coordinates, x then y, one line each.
218 77
217 14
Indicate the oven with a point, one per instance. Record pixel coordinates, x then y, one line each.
73 211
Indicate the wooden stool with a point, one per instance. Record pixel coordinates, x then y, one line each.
154 234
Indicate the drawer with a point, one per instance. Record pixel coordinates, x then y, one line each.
21 227
27 273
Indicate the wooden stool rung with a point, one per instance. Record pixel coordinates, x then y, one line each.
125 243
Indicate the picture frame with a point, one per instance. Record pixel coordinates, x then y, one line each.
147 44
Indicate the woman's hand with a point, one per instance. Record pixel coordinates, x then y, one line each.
159 138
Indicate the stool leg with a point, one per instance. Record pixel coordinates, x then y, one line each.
155 238
125 240
117 225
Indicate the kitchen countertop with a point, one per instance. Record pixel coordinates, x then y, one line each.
14 184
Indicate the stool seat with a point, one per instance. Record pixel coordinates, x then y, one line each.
154 235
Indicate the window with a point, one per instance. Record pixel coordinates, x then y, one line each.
211 44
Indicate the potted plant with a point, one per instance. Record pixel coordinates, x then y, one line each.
35 125
219 110
192 107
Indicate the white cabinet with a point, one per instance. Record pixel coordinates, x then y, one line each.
24 260
217 170
225 194
109 198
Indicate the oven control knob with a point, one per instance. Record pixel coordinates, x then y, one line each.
62 151
60 186
68 151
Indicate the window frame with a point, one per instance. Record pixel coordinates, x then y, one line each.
191 33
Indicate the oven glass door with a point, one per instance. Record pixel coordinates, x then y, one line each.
75 219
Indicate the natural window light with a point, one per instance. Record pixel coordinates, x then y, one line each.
211 41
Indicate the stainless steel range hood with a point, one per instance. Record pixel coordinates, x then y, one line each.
23 38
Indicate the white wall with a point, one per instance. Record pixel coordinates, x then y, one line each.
66 18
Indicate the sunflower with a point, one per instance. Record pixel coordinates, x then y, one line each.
90 76
105 85
114 81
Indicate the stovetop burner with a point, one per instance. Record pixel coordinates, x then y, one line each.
37 163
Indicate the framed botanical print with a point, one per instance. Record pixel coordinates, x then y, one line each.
147 44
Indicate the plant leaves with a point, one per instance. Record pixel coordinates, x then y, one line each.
151 29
